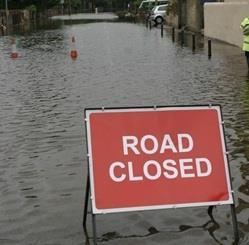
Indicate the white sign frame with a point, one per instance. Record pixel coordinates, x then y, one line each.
95 210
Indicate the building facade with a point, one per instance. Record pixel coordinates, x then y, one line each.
222 20
189 14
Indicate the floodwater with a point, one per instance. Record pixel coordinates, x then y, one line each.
43 94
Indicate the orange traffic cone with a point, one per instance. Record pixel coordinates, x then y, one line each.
14 53
73 53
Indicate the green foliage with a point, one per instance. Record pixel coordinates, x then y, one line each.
31 8
74 3
137 2
124 15
40 5
105 4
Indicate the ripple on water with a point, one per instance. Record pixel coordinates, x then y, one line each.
43 154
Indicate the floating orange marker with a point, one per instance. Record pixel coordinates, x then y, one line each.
73 53
14 53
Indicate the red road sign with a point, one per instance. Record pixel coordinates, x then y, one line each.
147 158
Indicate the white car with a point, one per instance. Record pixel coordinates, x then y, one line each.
150 4
158 13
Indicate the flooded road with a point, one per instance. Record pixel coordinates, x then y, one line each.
42 149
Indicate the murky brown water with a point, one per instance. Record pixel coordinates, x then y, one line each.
42 149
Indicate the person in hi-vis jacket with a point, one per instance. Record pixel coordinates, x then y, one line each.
245 28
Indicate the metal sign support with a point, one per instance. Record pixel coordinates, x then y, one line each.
210 208
232 206
235 225
86 212
234 221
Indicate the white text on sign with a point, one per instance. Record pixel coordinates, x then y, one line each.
168 168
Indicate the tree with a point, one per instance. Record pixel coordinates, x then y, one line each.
39 4
75 4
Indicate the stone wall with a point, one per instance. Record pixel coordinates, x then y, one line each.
15 17
172 20
189 14
222 20
20 17
194 15
236 1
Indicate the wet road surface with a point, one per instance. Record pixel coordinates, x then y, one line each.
42 149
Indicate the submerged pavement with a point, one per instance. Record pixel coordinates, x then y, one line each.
43 162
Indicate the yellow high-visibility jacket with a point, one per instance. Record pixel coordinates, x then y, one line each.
244 24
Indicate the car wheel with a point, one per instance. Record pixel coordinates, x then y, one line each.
159 20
